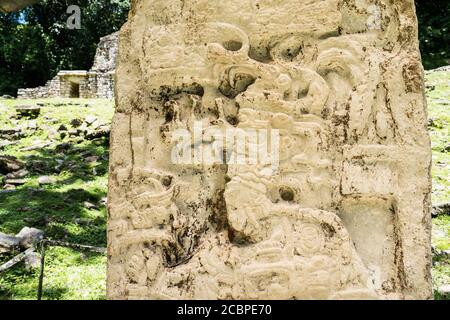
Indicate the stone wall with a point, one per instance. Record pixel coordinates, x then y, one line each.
105 85
50 90
105 57
101 76
74 84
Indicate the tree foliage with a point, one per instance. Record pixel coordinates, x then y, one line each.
35 43
434 28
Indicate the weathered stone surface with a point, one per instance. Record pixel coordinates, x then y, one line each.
88 205
102 131
29 236
28 111
105 57
90 119
10 164
32 260
440 209
17 174
444 291
76 123
37 145
10 132
46 180
6 143
15 182
8 243
345 215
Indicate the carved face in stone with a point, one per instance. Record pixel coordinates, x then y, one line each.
312 72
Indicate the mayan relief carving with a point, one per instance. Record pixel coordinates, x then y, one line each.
269 149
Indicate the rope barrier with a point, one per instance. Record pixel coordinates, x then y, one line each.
42 244
75 246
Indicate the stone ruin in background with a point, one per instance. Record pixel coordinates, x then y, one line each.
345 216
95 83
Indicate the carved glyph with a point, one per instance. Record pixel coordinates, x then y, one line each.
331 91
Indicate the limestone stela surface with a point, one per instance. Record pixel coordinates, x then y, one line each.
345 215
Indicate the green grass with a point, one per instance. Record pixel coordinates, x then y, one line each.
441 241
69 275
58 208
438 96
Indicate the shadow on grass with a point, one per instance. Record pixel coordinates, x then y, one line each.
71 159
61 215
28 291
58 209
53 293
79 169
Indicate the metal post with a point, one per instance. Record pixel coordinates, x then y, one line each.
41 274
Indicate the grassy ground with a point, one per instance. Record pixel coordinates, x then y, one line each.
438 95
59 209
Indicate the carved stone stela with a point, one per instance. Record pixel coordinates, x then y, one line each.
346 213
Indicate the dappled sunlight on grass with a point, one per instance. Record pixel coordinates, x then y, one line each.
58 208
